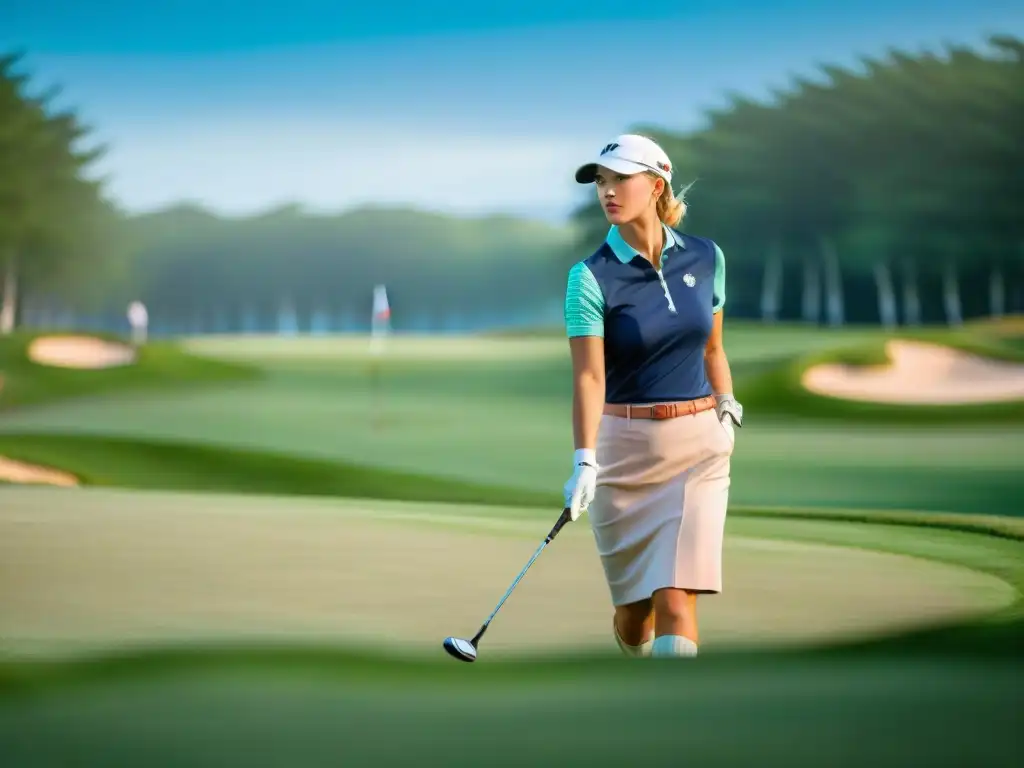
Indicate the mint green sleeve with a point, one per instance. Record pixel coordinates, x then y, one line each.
584 303
719 299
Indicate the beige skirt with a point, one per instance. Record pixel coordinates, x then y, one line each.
658 514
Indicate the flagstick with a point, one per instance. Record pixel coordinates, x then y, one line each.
375 404
378 335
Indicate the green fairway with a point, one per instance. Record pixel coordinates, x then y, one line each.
497 414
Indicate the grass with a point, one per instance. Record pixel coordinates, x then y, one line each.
995 526
444 412
167 465
969 472
310 709
941 697
314 710
286 565
308 421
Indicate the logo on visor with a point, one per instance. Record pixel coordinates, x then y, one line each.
689 279
609 148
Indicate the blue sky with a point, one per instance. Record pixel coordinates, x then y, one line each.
246 105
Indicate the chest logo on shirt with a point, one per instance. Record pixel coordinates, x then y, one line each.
689 279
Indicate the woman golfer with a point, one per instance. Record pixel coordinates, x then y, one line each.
653 412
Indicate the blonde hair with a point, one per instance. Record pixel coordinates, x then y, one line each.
671 209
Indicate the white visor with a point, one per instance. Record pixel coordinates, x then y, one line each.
628 154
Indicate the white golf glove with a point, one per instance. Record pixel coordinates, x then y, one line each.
730 414
579 490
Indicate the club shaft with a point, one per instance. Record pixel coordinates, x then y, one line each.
559 524
514 583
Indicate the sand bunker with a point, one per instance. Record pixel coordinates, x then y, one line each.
79 352
921 373
12 471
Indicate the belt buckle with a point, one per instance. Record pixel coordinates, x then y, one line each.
660 411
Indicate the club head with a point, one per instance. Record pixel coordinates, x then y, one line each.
463 650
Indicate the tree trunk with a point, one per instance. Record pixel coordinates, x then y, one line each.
286 317
833 282
996 292
28 312
9 305
771 288
911 297
886 295
812 290
951 293
1015 289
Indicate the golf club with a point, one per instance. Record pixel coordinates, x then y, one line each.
466 650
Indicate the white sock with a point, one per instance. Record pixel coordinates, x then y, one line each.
674 646
636 651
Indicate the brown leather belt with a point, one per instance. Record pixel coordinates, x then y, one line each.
661 410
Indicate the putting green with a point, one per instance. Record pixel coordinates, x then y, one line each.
94 569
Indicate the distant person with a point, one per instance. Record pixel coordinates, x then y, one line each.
653 411
138 318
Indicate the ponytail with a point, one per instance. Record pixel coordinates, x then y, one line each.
671 209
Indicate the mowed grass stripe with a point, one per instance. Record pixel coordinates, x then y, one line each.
128 463
506 467
171 563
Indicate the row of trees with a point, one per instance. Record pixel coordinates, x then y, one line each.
907 173
54 218
190 263
65 250
894 192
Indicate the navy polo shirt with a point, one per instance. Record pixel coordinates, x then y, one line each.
655 323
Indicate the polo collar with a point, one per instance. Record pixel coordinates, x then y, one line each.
625 253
